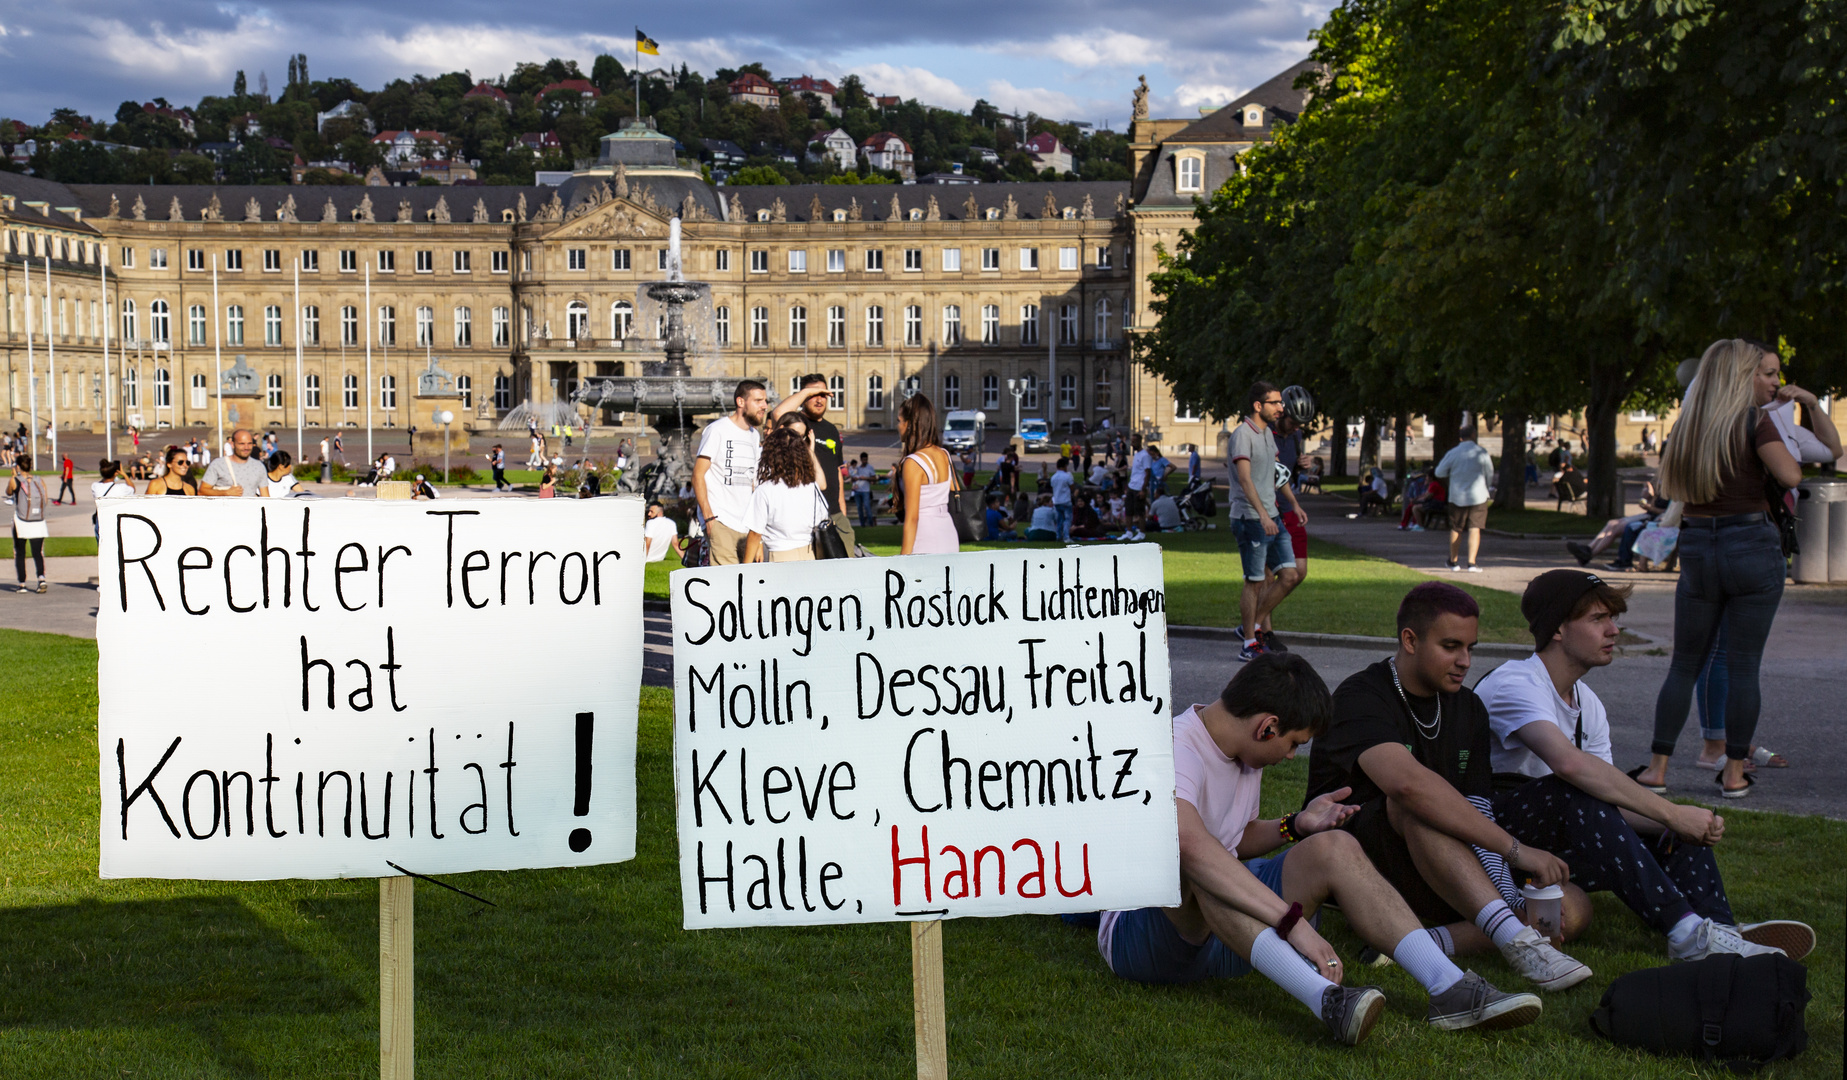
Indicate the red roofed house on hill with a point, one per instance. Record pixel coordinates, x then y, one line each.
887 151
179 116
753 89
580 87
538 142
820 88
483 89
1048 153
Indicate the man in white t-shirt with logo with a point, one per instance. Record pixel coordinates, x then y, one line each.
1139 468
1246 907
725 472
1061 498
1555 787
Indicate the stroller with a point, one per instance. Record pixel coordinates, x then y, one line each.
1197 506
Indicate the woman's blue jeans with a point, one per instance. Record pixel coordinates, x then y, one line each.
1731 578
1711 690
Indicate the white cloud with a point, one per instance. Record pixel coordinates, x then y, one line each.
1049 103
914 82
1110 48
1192 95
190 52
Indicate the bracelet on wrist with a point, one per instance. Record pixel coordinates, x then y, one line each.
1286 829
1288 921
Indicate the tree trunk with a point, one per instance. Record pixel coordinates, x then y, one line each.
1369 444
1607 391
1337 448
1510 493
1448 424
1399 465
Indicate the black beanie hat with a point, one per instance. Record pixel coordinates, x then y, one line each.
1549 598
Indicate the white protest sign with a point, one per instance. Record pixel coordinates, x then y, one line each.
311 688
923 737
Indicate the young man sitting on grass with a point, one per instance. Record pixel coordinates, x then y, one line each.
1409 748
1555 785
1246 906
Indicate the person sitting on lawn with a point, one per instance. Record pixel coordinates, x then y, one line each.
1409 746
999 524
1375 496
1085 524
1652 507
1044 524
1163 514
1555 785
1247 906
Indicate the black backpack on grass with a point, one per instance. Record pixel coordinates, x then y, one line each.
1742 1012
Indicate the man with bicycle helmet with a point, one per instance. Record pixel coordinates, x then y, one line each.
1263 544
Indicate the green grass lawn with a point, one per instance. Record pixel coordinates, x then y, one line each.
587 973
1346 592
1529 520
56 546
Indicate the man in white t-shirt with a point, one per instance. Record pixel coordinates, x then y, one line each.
725 472
1555 787
1244 908
1062 481
1139 468
659 533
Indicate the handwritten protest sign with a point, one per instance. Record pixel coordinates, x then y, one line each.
923 737
312 688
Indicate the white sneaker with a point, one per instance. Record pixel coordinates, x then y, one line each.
1715 939
1536 959
1796 939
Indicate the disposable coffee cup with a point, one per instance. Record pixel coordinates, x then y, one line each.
1544 907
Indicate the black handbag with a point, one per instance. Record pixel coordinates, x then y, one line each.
1780 515
965 507
827 541
1739 1011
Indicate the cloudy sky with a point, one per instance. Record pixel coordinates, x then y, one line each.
1073 59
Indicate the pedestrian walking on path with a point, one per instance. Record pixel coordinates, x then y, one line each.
1466 469
29 525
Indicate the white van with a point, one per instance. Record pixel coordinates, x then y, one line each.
964 430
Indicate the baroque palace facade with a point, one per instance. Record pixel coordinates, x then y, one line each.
520 291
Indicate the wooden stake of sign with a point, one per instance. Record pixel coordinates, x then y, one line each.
397 988
927 1000
397 944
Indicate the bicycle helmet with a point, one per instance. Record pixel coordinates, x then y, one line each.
1299 403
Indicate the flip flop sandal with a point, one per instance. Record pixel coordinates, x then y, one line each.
1767 758
1719 763
1735 793
1636 775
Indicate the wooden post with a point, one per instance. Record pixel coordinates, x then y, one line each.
927 1000
397 946
397 988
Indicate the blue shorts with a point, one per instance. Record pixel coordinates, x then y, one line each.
1262 552
1144 945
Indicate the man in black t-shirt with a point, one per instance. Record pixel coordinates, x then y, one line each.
1414 745
829 448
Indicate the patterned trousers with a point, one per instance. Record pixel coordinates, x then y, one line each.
1660 881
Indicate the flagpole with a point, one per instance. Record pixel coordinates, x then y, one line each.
217 360
638 74
31 365
300 413
108 314
51 364
368 386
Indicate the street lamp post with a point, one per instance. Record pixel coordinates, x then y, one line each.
445 418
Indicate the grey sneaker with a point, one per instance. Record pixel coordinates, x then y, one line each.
1534 957
1474 1003
1716 939
1796 939
1351 1011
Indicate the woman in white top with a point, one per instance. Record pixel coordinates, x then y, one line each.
927 479
281 482
787 504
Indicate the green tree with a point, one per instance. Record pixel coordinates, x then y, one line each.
757 175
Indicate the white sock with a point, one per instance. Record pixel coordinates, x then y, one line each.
1424 960
1440 935
1498 921
1683 929
1282 965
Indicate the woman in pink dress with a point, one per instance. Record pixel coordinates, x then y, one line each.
927 477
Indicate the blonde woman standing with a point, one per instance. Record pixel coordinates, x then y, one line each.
1731 555
927 477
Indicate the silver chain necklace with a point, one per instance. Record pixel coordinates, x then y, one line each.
1429 731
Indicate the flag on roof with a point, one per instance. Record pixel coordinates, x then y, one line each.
644 43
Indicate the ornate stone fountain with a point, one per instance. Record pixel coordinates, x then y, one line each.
667 391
